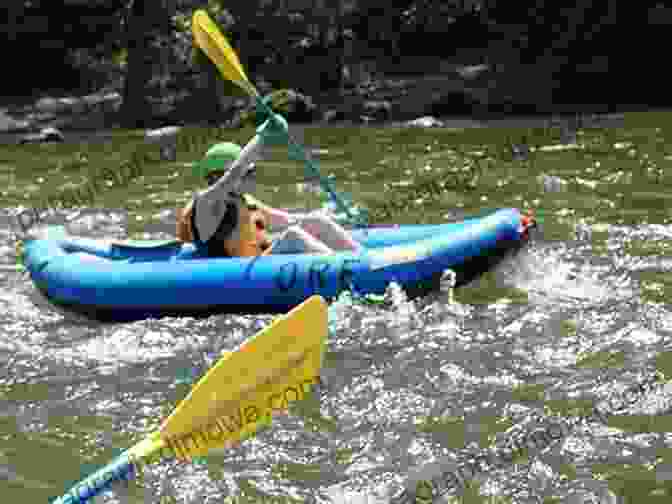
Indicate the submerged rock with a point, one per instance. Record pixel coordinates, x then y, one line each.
520 151
552 183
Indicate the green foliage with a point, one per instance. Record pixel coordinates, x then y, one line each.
120 57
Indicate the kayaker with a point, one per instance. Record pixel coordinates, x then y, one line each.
232 223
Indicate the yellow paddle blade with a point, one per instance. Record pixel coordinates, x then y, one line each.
273 368
217 48
247 418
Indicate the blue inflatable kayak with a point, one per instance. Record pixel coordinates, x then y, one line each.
131 281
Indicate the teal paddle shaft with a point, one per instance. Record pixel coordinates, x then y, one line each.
312 165
120 468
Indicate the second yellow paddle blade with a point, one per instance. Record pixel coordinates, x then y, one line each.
214 44
271 369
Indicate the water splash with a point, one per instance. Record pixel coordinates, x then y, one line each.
395 295
401 313
447 284
338 311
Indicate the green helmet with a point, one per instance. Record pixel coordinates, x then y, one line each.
218 158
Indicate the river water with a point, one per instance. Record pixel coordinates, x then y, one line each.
578 319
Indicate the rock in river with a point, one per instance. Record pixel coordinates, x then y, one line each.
425 122
45 135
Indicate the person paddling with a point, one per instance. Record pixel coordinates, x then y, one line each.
229 222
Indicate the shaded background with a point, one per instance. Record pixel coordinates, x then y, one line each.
537 56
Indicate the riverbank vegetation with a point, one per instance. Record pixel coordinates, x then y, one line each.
529 56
